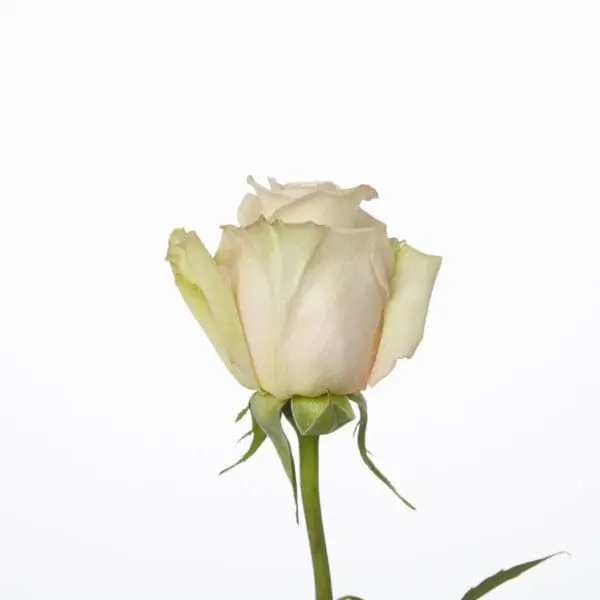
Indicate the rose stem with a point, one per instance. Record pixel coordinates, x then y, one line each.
309 485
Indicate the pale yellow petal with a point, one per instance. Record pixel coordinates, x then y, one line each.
211 301
404 320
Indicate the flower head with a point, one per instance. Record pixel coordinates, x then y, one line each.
308 295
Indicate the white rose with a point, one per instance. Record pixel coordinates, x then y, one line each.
308 295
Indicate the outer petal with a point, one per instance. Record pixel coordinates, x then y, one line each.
311 301
211 301
265 266
404 321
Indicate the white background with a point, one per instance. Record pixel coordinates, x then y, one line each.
478 123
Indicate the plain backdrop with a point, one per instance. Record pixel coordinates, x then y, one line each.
478 123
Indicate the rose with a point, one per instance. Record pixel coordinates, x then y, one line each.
310 301
309 295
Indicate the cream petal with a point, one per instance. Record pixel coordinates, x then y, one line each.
310 303
211 301
332 207
302 187
321 202
329 341
263 203
265 265
365 219
382 260
250 210
275 185
404 320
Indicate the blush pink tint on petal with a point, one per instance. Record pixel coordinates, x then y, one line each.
310 303
329 339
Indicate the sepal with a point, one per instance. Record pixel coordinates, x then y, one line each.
258 437
362 448
322 415
266 411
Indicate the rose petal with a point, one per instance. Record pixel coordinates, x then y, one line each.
334 208
321 202
365 219
310 302
211 301
404 320
264 202
296 187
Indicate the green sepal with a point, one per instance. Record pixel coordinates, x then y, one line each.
266 410
322 415
491 583
362 448
258 437
242 413
247 434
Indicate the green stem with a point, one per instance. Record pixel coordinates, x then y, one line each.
309 485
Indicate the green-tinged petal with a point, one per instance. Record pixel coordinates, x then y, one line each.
491 583
211 301
266 410
364 453
322 415
258 437
404 319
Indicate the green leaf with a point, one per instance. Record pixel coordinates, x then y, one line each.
258 437
362 448
491 583
322 415
266 410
